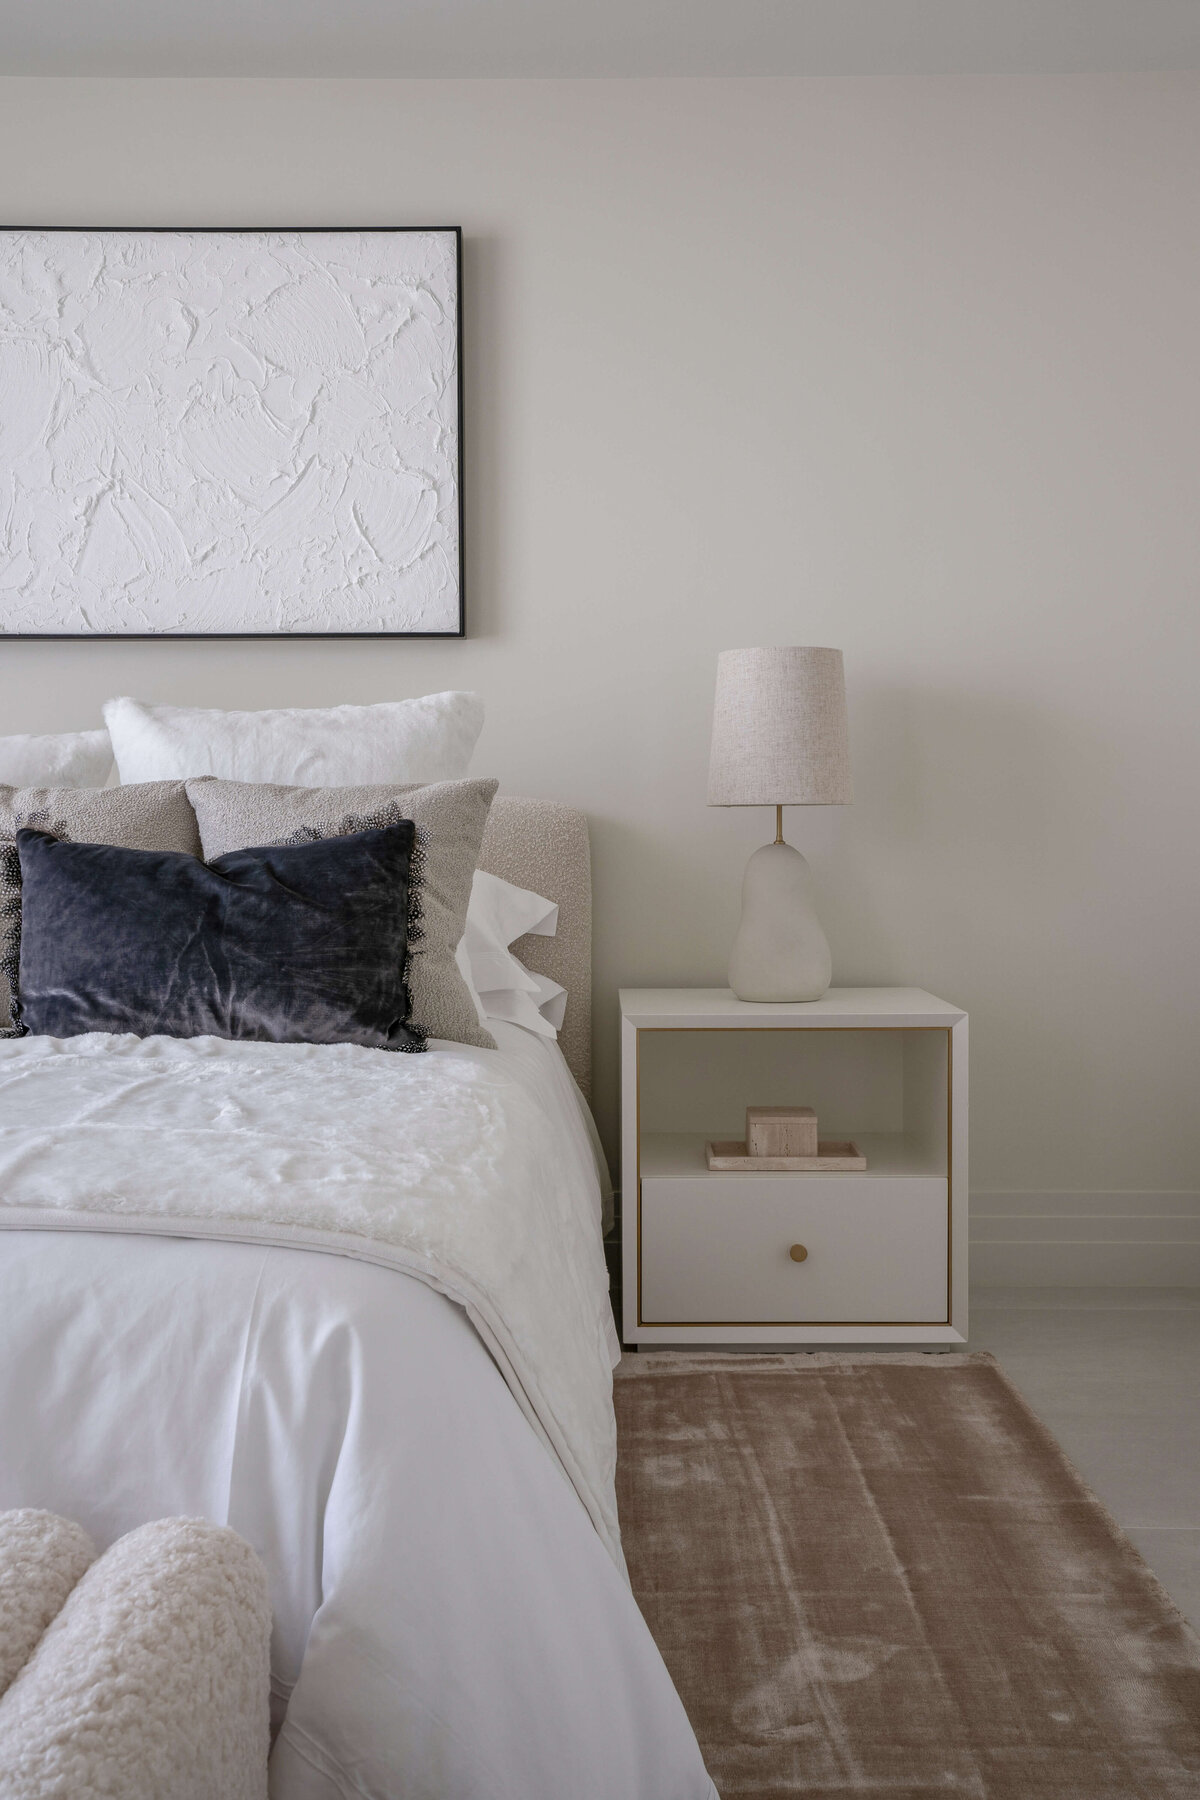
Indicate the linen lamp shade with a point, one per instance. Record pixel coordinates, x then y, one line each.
779 739
779 734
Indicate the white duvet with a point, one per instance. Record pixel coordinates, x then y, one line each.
450 1620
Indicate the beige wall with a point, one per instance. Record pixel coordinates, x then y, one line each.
911 367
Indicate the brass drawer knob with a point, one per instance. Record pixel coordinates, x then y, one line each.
798 1253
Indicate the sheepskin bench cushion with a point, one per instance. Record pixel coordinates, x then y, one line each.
151 1680
41 1559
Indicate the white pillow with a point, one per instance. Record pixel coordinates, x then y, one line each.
72 759
499 983
541 1011
431 739
464 969
500 913
551 999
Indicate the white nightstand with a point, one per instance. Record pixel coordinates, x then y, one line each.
708 1258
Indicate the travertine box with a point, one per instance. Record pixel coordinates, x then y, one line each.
781 1131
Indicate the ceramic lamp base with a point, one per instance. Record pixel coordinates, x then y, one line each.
780 952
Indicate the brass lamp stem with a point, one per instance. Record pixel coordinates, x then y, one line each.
779 824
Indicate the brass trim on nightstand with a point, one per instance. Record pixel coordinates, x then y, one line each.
798 1324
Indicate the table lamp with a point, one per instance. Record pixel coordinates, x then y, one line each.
779 738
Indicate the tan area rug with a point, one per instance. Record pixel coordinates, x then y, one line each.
880 1576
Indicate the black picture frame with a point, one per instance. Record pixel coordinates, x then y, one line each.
460 631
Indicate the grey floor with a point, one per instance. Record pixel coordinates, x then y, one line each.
1115 1374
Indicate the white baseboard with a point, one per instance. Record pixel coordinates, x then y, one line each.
1073 1239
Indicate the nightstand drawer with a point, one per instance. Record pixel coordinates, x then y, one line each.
719 1251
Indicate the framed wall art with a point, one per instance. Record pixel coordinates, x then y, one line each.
231 433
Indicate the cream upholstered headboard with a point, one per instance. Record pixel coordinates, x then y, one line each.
543 845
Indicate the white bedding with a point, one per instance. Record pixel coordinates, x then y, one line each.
448 1622
460 1166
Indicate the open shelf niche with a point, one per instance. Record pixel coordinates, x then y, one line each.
886 1089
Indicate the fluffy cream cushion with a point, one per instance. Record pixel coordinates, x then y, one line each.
41 1559
152 1681
430 739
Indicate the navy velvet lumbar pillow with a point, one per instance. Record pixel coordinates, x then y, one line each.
299 943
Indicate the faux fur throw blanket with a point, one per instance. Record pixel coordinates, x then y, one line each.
142 1672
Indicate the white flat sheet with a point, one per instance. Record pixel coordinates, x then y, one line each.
449 1625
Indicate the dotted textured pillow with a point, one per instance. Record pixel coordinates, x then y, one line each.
150 815
449 817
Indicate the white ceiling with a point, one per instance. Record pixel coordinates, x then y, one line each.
594 37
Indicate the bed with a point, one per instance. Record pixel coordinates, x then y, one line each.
354 1306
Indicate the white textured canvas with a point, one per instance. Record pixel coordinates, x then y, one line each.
229 432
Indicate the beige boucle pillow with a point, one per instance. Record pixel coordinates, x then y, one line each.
149 815
449 817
